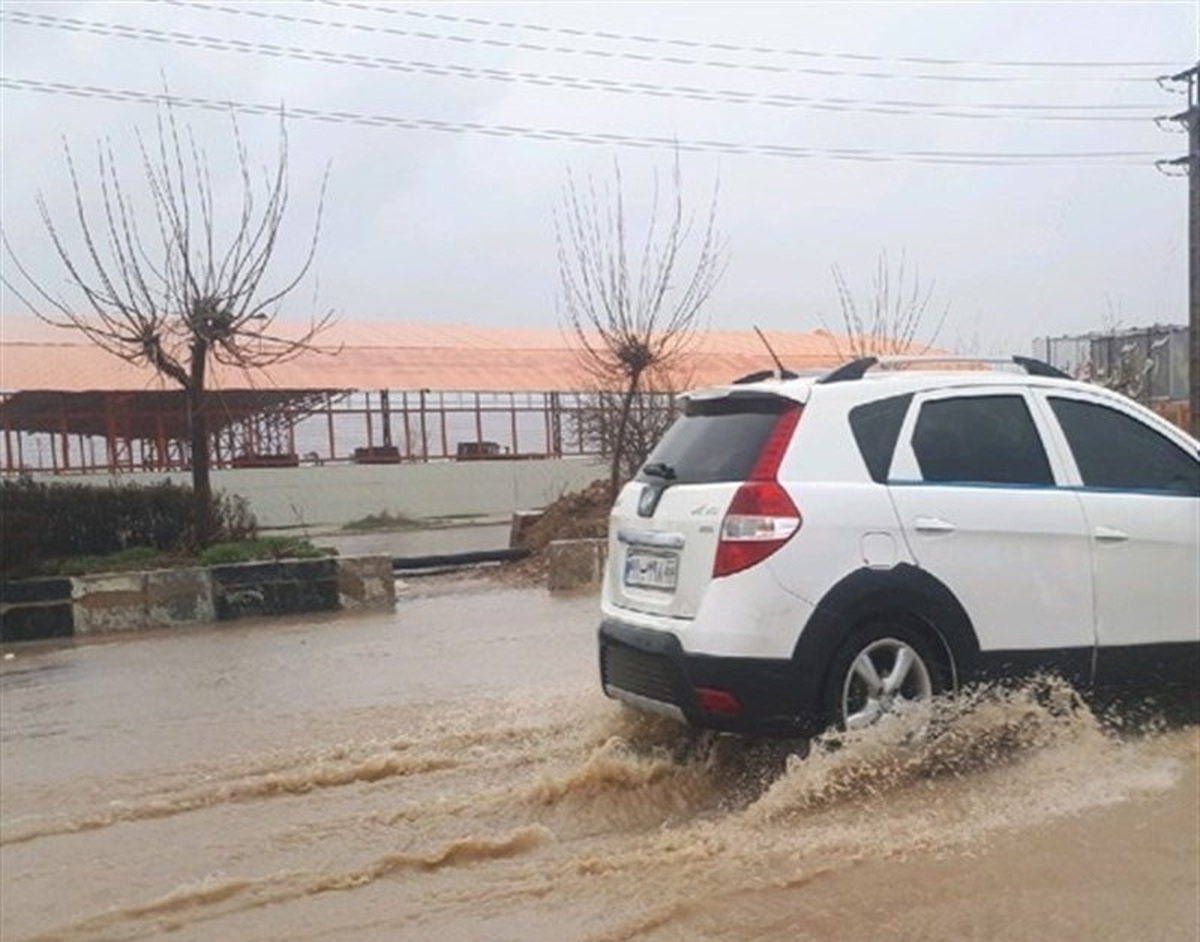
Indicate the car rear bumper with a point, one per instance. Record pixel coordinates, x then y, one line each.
650 670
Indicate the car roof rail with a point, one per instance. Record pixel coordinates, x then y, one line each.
856 369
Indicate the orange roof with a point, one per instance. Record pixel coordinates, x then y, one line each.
35 356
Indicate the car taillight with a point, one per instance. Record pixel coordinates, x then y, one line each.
759 521
762 517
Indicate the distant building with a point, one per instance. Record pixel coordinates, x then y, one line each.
1149 364
374 393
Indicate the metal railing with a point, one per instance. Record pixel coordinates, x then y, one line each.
358 427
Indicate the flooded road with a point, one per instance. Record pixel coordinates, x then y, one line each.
451 772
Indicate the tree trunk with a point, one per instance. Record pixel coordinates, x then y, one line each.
202 509
619 443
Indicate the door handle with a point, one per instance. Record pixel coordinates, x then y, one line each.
934 525
1110 535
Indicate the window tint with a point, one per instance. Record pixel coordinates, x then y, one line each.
980 439
876 426
1115 450
716 439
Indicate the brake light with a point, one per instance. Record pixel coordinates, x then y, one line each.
762 517
776 444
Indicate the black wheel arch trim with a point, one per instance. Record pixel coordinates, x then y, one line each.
867 593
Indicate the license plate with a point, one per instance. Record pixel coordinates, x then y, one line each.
646 570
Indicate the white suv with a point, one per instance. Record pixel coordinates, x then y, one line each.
801 552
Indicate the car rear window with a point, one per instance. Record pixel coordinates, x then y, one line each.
716 439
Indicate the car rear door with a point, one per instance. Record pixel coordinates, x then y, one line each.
975 490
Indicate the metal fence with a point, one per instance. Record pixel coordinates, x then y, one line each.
1149 364
362 427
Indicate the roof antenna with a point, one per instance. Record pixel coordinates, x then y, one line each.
784 372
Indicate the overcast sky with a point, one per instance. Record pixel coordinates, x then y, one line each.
1007 150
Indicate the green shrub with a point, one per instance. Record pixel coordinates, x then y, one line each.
137 557
384 520
235 520
247 551
44 522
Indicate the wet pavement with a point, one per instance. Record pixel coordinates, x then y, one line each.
451 771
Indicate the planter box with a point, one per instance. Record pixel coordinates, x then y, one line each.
32 609
111 603
286 587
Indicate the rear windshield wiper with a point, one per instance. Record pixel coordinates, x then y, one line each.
659 469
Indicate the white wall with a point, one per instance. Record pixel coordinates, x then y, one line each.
337 494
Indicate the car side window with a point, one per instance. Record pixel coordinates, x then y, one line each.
1115 450
876 427
980 439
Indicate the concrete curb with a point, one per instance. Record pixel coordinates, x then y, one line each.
114 603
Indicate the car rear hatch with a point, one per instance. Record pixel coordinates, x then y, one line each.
705 497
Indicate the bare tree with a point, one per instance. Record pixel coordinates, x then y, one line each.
171 283
648 417
894 315
632 311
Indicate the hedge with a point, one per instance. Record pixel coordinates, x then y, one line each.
41 522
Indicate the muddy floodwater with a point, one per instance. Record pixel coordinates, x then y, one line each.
451 772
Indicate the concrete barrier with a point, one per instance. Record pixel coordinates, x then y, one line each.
110 603
522 522
179 597
575 565
366 582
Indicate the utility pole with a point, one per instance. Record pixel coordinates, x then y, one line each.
1190 119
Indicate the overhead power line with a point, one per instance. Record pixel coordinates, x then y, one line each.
677 42
723 64
967 158
1032 112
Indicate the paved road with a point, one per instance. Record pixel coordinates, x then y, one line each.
451 772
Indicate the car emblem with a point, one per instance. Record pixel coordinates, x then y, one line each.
648 500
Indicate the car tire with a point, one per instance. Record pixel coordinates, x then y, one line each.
883 666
